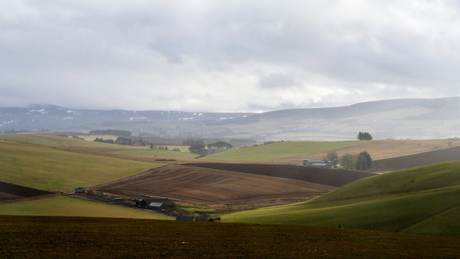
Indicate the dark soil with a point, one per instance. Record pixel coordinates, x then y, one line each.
427 158
9 191
331 177
66 237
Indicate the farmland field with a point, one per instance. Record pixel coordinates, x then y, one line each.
66 206
69 237
383 149
203 186
421 159
280 150
331 177
97 147
294 152
47 168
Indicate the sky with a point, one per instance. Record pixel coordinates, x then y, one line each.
226 56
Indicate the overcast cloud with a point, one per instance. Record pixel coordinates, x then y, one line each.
226 55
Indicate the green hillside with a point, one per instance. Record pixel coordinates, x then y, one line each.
79 144
65 206
47 168
421 200
281 150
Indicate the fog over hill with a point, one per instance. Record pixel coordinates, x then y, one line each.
400 119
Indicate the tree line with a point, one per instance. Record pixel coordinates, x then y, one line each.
198 146
119 140
361 161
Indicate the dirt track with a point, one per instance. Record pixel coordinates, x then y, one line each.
196 184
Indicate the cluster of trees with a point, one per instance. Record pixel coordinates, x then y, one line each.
119 140
124 141
196 146
110 141
361 161
364 136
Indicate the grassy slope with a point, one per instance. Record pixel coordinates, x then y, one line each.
72 143
420 200
52 169
65 206
280 150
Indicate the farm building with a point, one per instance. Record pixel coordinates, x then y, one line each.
159 206
80 190
316 163
154 204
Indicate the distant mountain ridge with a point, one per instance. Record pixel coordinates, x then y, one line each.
53 117
399 118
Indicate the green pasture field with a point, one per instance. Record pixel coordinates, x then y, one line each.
59 141
92 146
75 207
281 150
422 200
47 168
436 176
70 237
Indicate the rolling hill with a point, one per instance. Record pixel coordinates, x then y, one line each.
48 168
419 200
73 144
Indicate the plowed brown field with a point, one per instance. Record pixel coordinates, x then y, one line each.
213 187
12 192
427 158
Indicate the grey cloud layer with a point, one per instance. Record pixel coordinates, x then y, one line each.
226 55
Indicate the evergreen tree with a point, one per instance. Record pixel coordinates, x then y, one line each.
364 136
364 161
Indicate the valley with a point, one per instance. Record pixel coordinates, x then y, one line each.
262 185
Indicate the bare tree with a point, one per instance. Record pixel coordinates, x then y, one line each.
332 157
348 161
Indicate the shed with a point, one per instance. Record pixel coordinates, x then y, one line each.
316 163
160 206
170 204
80 190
